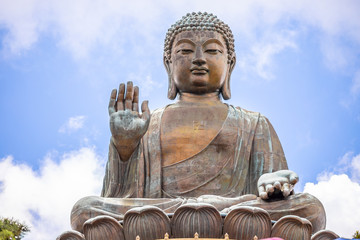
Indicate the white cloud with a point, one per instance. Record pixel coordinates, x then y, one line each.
79 26
82 24
83 27
44 198
339 194
22 25
72 124
260 59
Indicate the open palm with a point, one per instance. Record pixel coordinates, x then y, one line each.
127 125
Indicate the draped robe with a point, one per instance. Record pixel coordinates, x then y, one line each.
221 169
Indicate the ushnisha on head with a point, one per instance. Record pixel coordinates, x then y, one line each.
199 22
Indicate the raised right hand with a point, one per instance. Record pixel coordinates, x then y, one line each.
127 125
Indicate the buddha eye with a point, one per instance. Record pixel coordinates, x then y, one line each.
213 51
184 51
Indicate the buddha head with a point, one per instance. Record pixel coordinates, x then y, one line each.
199 55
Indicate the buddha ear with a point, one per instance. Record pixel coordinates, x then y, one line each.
225 90
172 90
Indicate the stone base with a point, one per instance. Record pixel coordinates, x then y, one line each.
197 221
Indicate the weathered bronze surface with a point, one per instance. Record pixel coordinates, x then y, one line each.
150 217
325 235
103 227
191 218
71 235
292 227
255 220
199 149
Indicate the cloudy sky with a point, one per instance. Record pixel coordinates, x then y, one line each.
298 63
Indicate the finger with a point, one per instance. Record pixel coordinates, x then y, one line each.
112 102
145 110
269 188
136 99
262 192
285 190
129 95
120 99
277 185
294 178
264 195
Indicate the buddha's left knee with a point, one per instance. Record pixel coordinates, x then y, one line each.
303 205
313 210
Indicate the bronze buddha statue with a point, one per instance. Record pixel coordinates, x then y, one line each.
198 149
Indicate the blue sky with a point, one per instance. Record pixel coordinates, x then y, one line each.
298 63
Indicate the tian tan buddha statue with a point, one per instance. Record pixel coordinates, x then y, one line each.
198 149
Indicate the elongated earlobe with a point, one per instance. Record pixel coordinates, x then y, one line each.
172 90
225 90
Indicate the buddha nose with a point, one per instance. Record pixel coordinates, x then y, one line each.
199 57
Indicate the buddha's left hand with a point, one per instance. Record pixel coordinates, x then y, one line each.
277 184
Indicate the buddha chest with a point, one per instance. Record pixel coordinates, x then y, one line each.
186 128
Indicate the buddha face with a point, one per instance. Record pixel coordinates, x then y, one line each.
199 62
